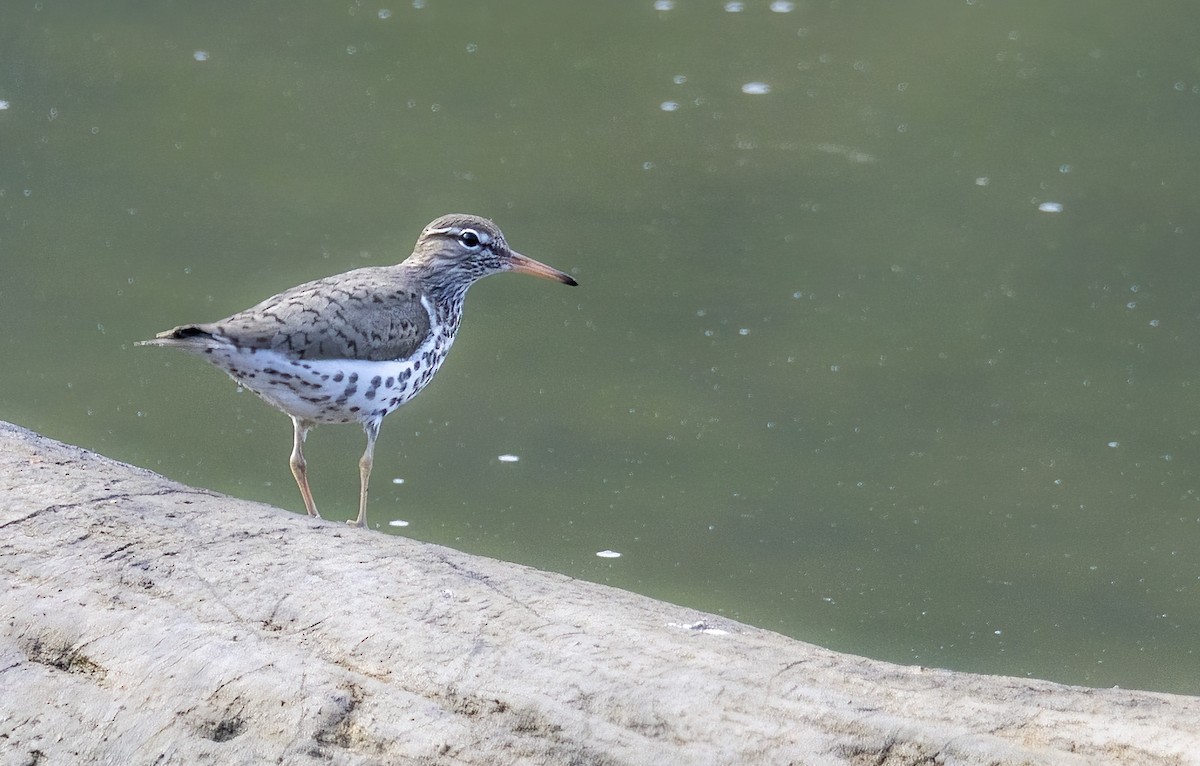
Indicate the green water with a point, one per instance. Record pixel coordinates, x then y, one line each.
830 369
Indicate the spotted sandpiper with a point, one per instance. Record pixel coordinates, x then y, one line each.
354 347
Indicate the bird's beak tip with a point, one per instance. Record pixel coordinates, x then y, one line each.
523 264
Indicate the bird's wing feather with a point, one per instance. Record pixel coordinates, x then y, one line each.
365 314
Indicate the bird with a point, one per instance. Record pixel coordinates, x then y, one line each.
356 346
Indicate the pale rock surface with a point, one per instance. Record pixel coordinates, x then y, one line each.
145 622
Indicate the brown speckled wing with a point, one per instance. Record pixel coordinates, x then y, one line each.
367 314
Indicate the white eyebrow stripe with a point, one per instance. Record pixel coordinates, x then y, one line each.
456 231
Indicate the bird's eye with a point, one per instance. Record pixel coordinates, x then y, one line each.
469 238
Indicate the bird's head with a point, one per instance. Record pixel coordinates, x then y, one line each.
458 249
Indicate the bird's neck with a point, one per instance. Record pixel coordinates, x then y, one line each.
445 288
447 296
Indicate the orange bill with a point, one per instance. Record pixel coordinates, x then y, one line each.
526 265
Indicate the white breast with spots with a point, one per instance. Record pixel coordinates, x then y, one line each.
336 390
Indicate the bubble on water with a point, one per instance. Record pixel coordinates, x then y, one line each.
1114 445
384 13
756 88
982 181
472 47
669 106
664 5
744 331
782 6
397 480
200 55
397 523
1154 323
607 554
351 49
1065 168
647 165
1050 207
508 458
735 7
679 79
3 105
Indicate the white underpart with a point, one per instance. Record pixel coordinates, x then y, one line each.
347 396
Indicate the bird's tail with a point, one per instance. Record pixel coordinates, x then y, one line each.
189 337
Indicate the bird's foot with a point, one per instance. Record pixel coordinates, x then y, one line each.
354 523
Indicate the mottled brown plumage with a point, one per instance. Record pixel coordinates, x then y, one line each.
356 346
371 314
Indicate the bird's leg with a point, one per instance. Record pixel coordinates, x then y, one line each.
371 428
299 467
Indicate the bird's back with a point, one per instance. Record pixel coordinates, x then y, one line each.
371 314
